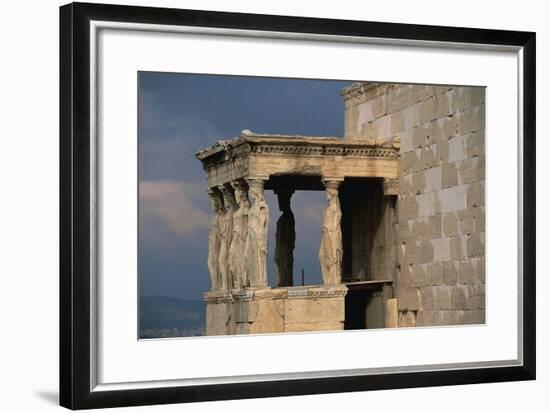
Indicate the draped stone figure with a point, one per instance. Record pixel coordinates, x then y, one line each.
226 228
285 239
237 265
331 250
256 239
214 237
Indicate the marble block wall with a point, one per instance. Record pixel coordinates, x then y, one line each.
440 228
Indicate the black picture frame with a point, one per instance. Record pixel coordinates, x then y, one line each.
75 219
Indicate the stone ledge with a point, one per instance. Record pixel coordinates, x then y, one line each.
316 291
250 294
218 297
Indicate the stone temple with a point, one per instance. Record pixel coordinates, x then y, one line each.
403 229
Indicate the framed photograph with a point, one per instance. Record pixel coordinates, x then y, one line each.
258 206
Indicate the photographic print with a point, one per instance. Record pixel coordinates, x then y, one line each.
320 195
276 205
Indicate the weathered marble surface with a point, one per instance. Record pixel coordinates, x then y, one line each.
422 147
252 154
214 238
237 264
331 250
275 310
392 320
225 233
440 214
256 239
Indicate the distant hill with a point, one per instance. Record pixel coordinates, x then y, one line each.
162 316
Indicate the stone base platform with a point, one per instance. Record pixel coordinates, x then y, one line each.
275 310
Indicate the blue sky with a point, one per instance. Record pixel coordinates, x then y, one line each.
182 113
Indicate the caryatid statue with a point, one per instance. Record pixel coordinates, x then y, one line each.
285 239
226 228
256 238
214 237
237 265
331 251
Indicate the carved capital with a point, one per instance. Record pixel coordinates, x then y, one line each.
283 197
216 199
257 182
239 185
228 195
256 186
332 183
240 188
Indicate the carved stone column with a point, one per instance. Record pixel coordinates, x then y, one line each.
214 237
285 239
237 264
331 250
256 239
226 228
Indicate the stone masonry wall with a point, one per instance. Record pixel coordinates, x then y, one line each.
275 310
441 202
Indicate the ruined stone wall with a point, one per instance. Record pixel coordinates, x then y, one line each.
441 204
